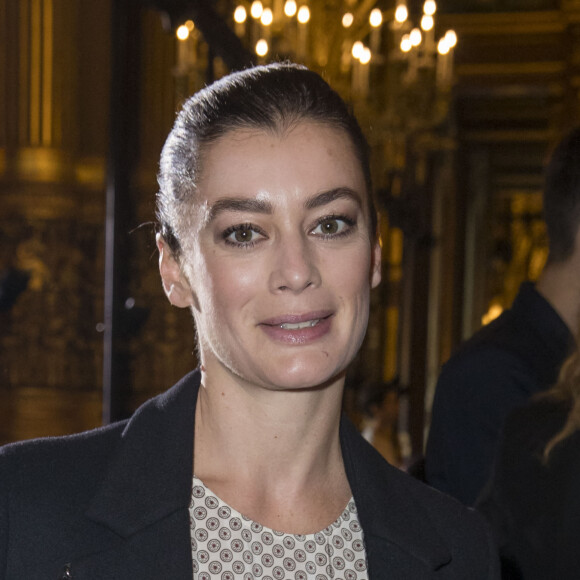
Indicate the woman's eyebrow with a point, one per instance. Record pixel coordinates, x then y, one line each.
239 204
243 204
331 195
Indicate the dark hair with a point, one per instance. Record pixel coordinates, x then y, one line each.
562 197
273 97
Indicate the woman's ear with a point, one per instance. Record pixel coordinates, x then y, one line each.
376 262
175 285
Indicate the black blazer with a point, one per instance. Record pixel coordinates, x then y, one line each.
113 504
533 506
497 370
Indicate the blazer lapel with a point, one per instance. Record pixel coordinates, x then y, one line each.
145 495
140 513
162 550
397 529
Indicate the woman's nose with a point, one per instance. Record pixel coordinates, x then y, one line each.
294 267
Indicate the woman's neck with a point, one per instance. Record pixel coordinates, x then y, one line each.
560 286
272 455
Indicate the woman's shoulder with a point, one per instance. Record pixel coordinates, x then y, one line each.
52 461
447 535
419 526
449 516
88 451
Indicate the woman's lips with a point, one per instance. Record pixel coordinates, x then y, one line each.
298 329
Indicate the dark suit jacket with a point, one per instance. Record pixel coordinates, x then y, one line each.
113 504
533 505
498 369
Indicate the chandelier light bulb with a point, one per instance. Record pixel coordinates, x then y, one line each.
376 17
430 7
401 13
442 46
347 19
290 8
365 57
256 9
240 14
262 47
451 38
190 25
415 37
182 32
357 49
303 14
267 17
406 44
427 22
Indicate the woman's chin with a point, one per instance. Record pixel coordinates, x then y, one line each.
305 378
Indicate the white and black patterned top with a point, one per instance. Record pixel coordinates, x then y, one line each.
229 546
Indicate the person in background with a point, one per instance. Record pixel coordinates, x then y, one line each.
380 407
532 500
518 354
246 468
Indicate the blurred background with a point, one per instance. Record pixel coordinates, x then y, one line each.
461 101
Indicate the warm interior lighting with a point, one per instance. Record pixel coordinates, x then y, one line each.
347 20
427 22
401 13
261 47
376 17
406 44
430 7
267 17
357 49
442 46
365 57
415 36
290 8
451 38
303 14
256 9
494 311
240 14
182 32
190 25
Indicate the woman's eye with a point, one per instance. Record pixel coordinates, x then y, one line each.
333 226
242 235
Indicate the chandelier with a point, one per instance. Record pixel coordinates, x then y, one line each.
350 44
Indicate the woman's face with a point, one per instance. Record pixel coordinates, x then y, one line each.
279 261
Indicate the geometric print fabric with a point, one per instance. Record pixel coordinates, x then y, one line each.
229 546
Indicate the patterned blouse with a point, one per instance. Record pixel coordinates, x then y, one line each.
229 546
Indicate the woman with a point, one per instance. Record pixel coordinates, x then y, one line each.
245 468
532 500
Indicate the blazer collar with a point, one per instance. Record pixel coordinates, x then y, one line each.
150 474
387 503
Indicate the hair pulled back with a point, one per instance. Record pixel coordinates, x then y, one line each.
272 97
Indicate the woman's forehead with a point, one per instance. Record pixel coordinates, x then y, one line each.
266 166
297 144
303 129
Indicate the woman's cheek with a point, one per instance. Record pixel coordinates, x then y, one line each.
234 279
